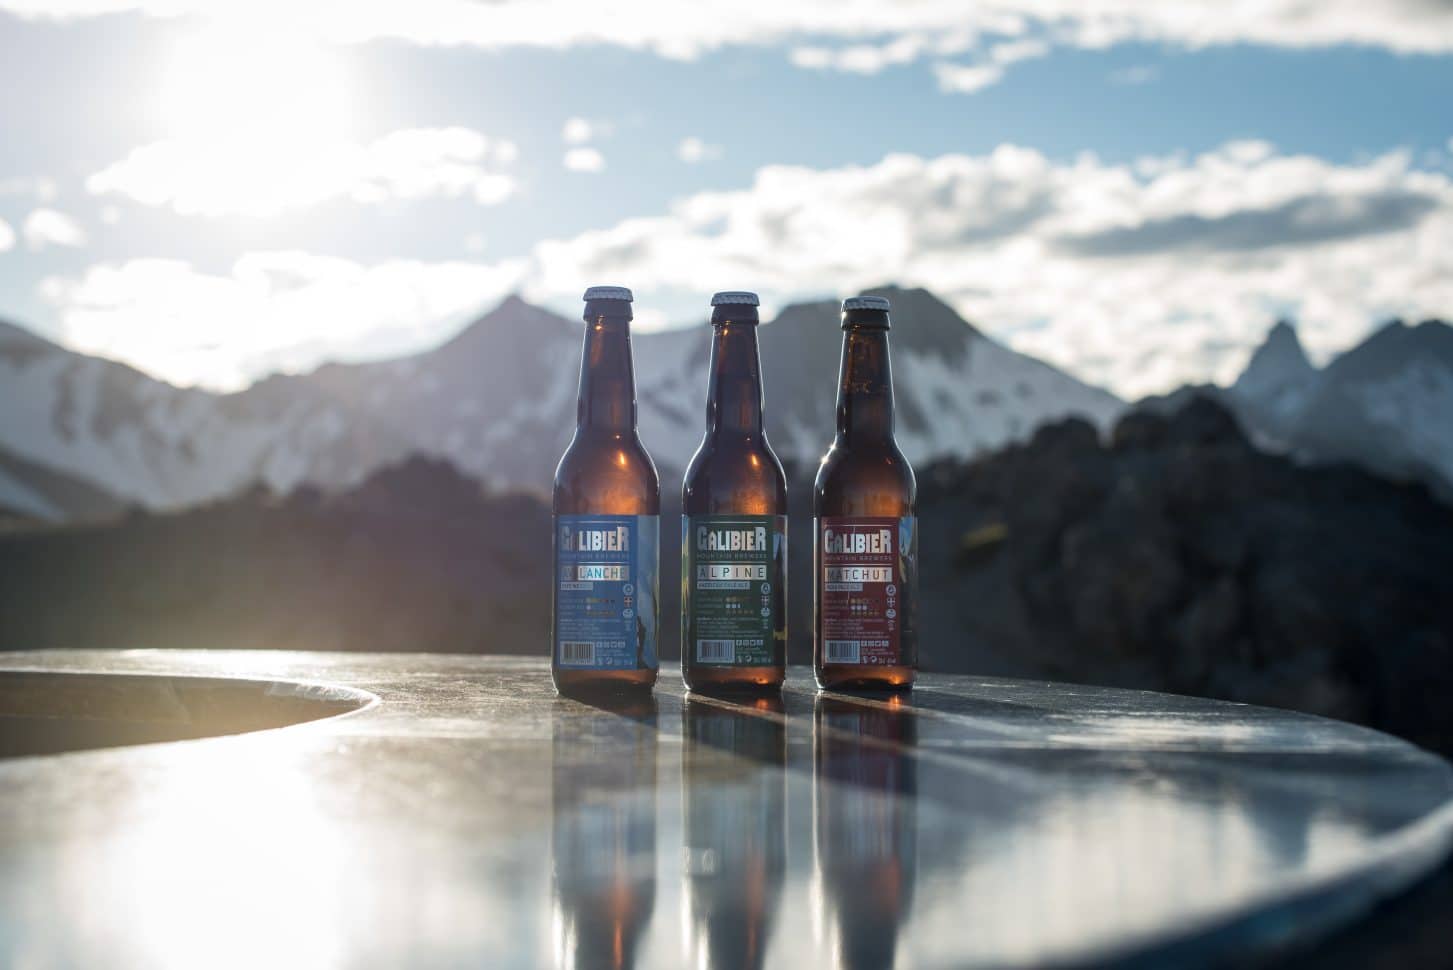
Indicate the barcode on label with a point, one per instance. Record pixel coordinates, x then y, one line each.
716 651
842 652
577 652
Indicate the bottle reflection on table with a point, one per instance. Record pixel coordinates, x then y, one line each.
604 830
735 854
865 823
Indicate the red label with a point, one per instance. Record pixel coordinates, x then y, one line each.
862 589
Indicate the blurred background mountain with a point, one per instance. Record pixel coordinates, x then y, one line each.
1283 540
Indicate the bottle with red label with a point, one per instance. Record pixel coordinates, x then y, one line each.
865 536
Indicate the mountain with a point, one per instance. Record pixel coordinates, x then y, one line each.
1278 378
30 492
1387 404
498 400
416 557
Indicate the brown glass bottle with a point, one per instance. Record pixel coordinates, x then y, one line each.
734 523
865 545
606 587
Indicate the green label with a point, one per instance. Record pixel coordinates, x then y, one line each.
733 589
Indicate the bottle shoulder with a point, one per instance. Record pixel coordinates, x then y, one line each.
607 474
734 475
865 481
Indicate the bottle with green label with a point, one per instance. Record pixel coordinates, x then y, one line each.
734 522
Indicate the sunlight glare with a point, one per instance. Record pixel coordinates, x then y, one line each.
249 105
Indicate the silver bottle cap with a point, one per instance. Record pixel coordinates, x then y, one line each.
735 298
865 303
608 293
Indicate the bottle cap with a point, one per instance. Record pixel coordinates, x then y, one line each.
608 293
735 298
865 303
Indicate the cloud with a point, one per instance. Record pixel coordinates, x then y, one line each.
868 58
246 176
271 311
693 150
1138 276
1313 218
7 237
578 131
584 160
869 30
47 227
989 70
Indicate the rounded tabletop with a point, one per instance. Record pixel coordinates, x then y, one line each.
430 810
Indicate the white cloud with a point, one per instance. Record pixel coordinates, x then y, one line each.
1137 276
7 237
989 70
680 30
584 160
693 150
577 131
865 58
224 176
47 227
272 311
967 78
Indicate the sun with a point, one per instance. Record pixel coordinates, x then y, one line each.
255 120
234 78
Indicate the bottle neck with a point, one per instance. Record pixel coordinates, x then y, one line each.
607 401
734 397
865 388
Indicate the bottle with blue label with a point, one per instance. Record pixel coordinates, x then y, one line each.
606 605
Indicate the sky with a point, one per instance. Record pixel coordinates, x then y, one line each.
213 190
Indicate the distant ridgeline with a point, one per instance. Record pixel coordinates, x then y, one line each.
81 436
1174 556
1386 404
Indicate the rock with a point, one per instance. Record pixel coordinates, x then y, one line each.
1183 559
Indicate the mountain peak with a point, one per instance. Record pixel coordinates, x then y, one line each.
513 321
1278 370
1392 347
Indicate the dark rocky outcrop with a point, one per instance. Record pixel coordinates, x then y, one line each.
1180 558
417 557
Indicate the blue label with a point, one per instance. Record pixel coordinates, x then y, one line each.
607 591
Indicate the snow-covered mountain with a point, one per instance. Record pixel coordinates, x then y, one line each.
499 401
1278 378
1386 404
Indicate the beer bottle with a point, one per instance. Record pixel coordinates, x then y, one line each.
734 522
607 509
865 544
